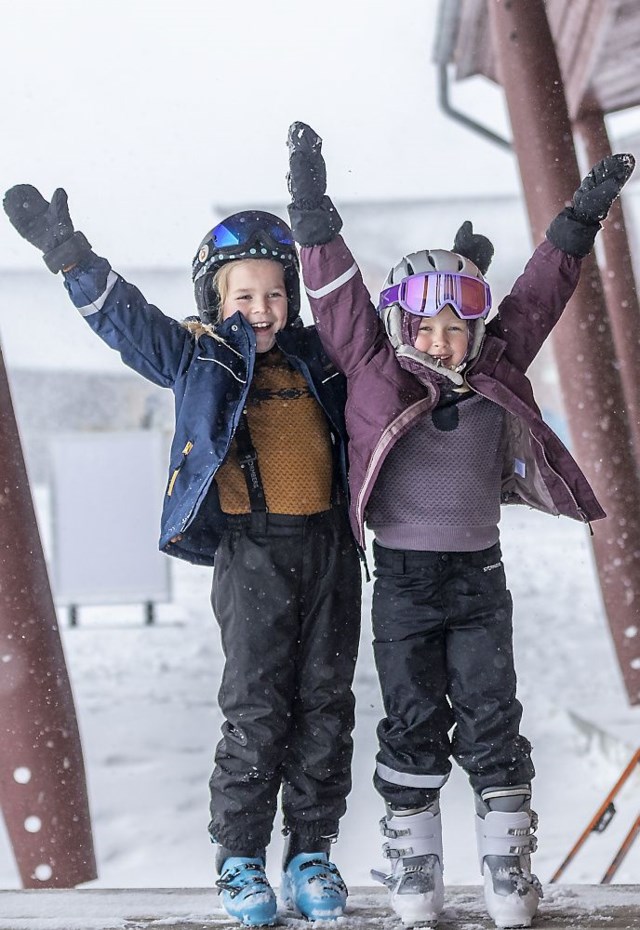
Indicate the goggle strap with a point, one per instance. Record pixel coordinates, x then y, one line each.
231 253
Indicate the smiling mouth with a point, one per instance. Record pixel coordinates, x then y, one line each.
261 326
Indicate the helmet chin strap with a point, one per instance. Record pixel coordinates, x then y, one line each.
412 354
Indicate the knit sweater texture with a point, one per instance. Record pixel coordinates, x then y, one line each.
439 487
297 473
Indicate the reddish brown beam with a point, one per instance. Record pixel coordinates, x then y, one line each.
583 344
618 279
43 795
579 32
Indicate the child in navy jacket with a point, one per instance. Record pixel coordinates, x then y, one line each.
257 478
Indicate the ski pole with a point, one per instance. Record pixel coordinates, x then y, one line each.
616 862
601 819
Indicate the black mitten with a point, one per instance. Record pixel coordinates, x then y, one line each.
307 176
575 228
314 219
46 225
592 201
473 246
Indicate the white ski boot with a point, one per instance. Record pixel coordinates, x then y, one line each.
505 827
414 847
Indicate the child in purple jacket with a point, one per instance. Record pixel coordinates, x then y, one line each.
443 428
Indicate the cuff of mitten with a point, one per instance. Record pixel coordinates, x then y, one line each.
316 226
67 253
571 235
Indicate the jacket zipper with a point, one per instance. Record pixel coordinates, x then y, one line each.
239 408
302 368
579 511
415 411
185 452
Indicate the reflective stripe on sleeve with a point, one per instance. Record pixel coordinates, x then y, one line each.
334 285
99 302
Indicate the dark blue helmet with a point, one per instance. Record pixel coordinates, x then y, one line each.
249 234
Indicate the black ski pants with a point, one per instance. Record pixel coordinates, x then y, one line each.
287 597
442 624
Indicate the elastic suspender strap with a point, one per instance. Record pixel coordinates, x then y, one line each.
337 495
248 461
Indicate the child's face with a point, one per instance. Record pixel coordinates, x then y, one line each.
256 288
444 337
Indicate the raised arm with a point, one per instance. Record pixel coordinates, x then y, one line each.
536 302
575 228
148 341
346 319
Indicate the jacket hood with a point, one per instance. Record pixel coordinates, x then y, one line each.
402 328
198 328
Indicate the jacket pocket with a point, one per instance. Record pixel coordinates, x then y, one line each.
176 471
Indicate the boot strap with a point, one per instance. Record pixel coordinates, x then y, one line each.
498 837
392 834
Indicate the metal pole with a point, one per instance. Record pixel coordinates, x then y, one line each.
587 366
43 793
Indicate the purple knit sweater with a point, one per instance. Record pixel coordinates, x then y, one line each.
439 490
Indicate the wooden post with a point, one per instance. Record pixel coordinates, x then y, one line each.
618 280
43 794
584 349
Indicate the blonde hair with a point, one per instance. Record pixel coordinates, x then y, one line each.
220 281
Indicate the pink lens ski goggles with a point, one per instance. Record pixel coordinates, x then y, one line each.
426 294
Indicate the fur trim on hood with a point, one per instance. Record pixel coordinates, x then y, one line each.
197 328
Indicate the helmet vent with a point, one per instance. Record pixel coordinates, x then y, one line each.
410 269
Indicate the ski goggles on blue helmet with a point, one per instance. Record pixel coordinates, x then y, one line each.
249 234
251 227
429 292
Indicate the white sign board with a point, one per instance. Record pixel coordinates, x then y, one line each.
106 497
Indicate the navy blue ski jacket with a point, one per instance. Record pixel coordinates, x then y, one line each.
209 374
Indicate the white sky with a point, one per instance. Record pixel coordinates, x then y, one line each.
149 113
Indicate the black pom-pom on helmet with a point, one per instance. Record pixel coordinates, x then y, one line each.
245 235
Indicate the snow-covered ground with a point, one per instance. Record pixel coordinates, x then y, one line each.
568 907
146 700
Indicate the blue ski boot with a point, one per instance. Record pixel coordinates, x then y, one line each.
313 887
245 892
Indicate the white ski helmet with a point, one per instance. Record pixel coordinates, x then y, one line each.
401 325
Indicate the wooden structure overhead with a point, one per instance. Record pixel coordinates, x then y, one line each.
563 66
597 43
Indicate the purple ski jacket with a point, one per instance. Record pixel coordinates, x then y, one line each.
384 400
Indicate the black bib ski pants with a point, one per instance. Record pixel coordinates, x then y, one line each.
442 624
287 597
